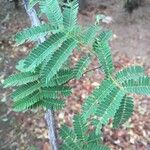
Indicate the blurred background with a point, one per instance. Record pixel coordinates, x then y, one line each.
130 45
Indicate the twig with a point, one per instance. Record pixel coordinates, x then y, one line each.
49 115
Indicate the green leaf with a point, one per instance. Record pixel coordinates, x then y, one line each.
53 12
98 95
94 138
37 105
25 90
105 36
56 91
39 54
58 59
53 104
97 147
67 133
90 34
20 79
140 86
80 127
70 15
124 112
65 90
81 66
102 50
35 101
34 33
62 77
108 108
25 103
46 93
71 145
78 137
66 146
133 72
69 139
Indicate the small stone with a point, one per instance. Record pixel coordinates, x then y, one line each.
107 20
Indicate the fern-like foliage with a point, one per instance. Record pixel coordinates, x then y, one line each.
108 100
81 66
43 81
77 138
58 59
25 103
39 54
56 90
91 33
140 86
47 97
25 90
70 15
80 127
124 112
21 79
53 104
102 50
98 95
53 12
62 77
108 108
34 102
34 33
133 72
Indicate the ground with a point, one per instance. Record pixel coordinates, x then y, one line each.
130 45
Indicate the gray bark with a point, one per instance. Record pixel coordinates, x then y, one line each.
49 115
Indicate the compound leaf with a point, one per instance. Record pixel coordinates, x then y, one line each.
26 90
20 79
133 72
53 12
124 112
25 103
34 33
62 77
98 95
47 48
140 86
108 108
70 15
58 59
81 65
90 34
102 50
79 127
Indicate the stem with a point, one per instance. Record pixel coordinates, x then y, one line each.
49 115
